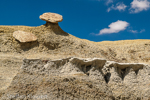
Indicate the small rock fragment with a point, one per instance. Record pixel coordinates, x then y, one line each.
24 36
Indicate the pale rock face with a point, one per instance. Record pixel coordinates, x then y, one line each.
79 79
24 36
51 17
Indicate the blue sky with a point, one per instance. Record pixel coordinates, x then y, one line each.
95 20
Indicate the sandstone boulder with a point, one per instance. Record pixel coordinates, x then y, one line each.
51 17
24 36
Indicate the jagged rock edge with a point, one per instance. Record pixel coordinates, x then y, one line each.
29 67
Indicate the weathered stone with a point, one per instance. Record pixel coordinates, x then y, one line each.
24 36
81 78
51 17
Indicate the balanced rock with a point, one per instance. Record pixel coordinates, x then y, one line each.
51 17
24 36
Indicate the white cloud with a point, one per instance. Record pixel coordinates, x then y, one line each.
139 5
143 30
108 2
114 27
119 6
135 31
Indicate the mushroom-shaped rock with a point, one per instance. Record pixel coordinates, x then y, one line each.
51 17
24 36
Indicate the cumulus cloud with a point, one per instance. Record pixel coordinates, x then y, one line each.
119 6
136 31
139 5
114 27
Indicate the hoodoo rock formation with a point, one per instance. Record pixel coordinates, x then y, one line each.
80 79
60 66
51 17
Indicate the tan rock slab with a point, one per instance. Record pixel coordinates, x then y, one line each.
24 36
51 17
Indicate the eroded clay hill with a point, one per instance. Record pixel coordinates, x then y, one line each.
51 43
79 79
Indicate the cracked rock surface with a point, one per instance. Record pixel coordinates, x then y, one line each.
79 79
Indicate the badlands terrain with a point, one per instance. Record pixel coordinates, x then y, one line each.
60 66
